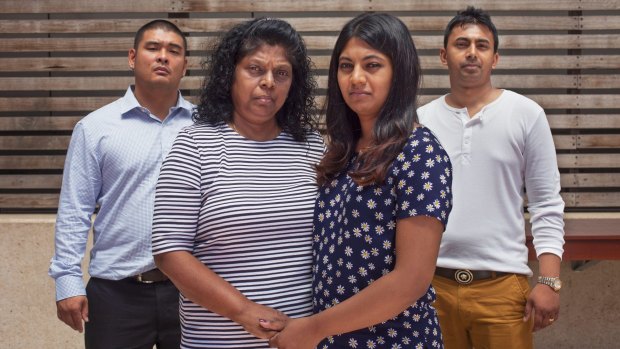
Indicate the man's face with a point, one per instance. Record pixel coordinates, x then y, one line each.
469 55
159 62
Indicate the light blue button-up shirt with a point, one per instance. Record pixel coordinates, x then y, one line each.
113 162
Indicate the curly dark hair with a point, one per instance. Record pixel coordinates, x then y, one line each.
297 114
397 117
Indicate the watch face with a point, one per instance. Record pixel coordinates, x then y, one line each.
557 284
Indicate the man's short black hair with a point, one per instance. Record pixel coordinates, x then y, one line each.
471 15
159 24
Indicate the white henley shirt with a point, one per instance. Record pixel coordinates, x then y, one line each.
496 155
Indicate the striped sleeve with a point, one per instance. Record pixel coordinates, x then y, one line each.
177 198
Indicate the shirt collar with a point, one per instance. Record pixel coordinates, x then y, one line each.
461 113
130 103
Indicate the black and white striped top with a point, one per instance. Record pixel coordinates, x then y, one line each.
243 208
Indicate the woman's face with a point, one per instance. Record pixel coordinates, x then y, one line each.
364 78
260 87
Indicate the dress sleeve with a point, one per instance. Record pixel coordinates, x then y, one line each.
177 197
423 176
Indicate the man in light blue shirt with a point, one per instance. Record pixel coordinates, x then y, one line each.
113 162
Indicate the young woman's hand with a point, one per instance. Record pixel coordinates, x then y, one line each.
297 334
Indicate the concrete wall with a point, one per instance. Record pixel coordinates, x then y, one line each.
28 310
590 313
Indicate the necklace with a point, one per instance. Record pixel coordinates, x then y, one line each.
363 148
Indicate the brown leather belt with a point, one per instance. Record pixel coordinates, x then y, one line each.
466 276
149 277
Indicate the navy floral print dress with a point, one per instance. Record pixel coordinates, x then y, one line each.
354 234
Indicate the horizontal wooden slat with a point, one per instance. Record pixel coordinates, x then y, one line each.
28 200
565 142
102 83
530 42
600 141
587 141
140 6
66 123
568 180
34 142
573 200
210 25
514 62
582 161
33 162
592 199
115 64
77 6
302 24
194 82
74 64
38 123
599 81
30 181
589 121
599 101
92 103
599 22
128 26
565 161
589 180
99 83
598 121
56 142
54 103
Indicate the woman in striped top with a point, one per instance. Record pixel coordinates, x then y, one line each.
232 224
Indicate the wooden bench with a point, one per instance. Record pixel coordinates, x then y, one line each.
588 236
61 59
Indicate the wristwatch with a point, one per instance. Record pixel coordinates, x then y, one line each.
554 282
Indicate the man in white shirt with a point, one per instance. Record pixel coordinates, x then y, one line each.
500 145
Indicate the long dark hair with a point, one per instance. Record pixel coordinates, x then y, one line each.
296 115
397 117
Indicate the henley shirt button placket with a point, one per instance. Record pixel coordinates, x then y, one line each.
466 140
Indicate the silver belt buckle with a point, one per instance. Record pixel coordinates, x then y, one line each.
463 276
141 280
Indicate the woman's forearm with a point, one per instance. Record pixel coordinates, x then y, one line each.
417 247
207 289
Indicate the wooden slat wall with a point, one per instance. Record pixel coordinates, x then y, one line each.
61 59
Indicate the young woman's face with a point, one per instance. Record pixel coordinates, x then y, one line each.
364 78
